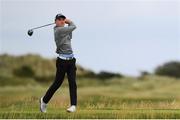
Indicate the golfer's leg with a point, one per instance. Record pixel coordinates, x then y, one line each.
60 73
71 73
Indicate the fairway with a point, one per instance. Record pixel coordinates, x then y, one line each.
133 113
125 98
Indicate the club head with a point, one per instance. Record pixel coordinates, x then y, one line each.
30 32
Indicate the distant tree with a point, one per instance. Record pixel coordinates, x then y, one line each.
89 74
171 69
143 75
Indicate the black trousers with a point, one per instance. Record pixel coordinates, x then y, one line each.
63 67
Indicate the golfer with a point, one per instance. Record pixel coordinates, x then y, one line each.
65 62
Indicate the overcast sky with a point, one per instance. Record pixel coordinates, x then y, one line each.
125 36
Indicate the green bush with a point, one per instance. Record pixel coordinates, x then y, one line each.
171 69
103 75
107 75
24 71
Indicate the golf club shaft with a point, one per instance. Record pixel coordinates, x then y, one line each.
42 26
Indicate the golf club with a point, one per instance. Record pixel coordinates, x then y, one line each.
30 31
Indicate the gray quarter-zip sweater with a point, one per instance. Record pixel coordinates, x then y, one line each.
63 36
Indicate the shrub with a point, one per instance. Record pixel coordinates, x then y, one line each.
171 69
24 71
107 75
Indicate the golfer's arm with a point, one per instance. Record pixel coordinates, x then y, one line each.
67 30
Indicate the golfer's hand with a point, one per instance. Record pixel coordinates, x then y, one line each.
67 21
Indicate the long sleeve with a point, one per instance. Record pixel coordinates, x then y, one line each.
66 30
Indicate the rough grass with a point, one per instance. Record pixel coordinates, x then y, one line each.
151 97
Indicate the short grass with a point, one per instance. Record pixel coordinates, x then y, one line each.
150 97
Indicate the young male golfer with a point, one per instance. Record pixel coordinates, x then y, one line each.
65 63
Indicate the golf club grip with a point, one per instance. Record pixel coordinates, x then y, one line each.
42 26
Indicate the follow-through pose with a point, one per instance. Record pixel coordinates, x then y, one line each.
65 63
